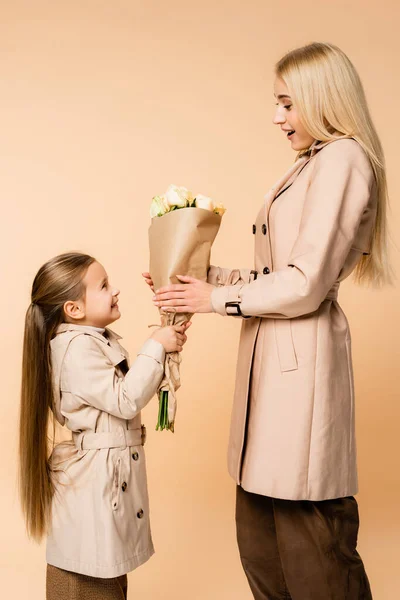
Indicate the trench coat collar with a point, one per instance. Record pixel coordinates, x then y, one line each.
88 330
289 177
317 145
115 352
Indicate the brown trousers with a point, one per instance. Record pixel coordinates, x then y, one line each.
300 550
65 585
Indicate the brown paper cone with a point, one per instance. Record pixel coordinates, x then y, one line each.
180 244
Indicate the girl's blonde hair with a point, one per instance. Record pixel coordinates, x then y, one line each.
56 282
329 96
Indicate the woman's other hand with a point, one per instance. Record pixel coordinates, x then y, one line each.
148 280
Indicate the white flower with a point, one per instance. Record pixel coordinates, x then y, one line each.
204 202
219 209
178 196
158 207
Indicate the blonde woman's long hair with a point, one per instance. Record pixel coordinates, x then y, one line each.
56 282
329 96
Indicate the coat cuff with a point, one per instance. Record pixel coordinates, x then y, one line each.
153 349
221 295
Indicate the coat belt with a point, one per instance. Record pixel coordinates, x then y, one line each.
121 438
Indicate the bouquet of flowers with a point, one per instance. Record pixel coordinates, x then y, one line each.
181 234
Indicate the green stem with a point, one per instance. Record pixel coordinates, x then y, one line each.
162 421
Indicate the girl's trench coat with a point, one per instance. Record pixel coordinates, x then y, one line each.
100 511
292 429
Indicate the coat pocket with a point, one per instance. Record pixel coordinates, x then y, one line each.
285 346
116 485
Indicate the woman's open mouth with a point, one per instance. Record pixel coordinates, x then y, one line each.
290 133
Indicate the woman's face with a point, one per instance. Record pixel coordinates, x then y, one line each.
287 117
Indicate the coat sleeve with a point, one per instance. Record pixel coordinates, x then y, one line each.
89 375
220 276
336 199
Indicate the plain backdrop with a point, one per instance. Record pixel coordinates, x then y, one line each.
103 105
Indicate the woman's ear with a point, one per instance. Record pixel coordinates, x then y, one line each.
74 310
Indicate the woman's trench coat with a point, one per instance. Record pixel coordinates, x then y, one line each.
292 430
100 511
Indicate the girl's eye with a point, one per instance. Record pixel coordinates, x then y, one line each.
104 285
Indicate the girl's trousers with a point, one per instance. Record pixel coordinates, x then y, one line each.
65 585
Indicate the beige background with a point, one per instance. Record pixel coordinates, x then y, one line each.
103 104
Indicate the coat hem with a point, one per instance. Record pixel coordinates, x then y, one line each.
102 572
265 491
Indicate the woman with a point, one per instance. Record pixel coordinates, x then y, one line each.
292 448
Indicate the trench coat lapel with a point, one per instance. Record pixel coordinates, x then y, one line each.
280 186
116 351
290 176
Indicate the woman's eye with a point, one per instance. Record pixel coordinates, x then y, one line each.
288 106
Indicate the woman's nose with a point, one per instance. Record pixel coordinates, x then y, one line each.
279 117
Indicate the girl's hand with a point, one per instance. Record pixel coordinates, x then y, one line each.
148 280
191 296
173 337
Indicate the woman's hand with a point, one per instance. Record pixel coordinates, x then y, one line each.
172 337
191 296
148 280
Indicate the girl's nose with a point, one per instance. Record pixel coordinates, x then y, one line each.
116 292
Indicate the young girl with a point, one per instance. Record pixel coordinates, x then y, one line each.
90 496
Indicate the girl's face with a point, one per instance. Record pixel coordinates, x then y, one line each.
287 117
99 307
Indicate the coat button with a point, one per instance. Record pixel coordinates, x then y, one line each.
265 270
135 456
254 229
264 229
140 514
124 486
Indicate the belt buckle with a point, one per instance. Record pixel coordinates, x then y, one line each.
144 435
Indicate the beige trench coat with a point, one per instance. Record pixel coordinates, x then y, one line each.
294 384
100 511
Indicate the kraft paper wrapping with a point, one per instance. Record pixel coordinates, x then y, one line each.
180 244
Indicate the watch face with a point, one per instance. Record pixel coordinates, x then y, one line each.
233 309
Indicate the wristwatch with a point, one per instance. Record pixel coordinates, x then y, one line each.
233 310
